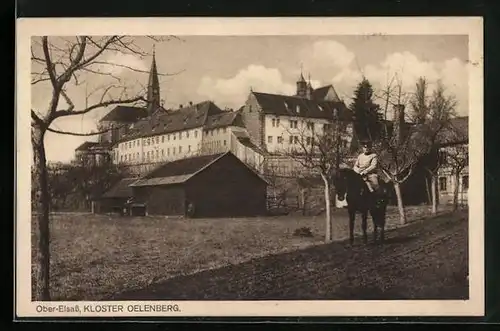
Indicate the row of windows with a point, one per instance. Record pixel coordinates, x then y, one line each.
214 144
217 131
295 140
443 183
173 136
443 157
151 155
275 122
156 140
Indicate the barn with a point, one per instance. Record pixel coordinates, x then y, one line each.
114 200
218 185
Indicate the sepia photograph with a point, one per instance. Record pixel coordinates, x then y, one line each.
183 170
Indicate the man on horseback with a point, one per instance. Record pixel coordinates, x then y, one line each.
367 165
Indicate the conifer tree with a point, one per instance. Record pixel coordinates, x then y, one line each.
367 115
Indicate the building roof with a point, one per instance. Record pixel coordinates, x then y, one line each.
321 92
120 189
86 146
245 140
461 124
181 170
456 132
277 104
227 118
125 114
182 167
186 118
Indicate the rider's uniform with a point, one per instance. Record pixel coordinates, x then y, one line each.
366 166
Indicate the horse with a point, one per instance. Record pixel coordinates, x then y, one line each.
351 186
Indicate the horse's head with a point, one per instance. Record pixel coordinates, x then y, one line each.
340 182
346 180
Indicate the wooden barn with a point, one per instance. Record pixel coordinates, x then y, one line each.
115 199
217 185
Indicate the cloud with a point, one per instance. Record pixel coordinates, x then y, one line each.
233 91
407 67
327 54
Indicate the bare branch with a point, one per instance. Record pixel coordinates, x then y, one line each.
70 133
62 113
68 100
48 63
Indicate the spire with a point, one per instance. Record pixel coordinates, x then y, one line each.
301 84
301 78
153 96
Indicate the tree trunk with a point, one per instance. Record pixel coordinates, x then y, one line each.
303 196
434 194
401 208
428 190
42 292
328 228
455 191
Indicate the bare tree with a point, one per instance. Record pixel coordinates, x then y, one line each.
456 155
411 141
432 114
320 152
62 63
400 150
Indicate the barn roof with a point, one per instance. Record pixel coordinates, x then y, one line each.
180 171
120 189
277 104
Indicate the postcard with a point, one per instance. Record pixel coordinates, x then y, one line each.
184 167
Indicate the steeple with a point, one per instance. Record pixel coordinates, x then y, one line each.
301 85
153 96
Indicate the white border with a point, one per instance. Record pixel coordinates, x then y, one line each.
472 26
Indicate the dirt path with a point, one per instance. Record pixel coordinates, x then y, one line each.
425 260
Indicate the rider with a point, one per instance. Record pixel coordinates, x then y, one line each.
366 165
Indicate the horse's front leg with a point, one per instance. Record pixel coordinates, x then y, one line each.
375 228
352 216
364 226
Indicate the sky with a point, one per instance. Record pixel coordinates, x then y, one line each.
223 69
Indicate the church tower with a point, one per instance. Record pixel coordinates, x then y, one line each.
301 86
153 97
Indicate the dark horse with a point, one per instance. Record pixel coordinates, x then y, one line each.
350 186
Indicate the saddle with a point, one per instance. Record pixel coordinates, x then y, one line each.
376 194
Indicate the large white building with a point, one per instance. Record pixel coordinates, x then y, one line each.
280 124
142 137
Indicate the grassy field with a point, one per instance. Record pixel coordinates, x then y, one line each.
95 256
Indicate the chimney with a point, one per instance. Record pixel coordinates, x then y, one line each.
190 103
398 120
